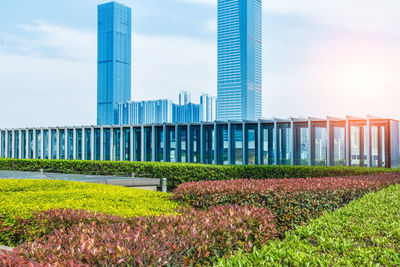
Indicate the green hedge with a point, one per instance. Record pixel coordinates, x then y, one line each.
178 173
364 233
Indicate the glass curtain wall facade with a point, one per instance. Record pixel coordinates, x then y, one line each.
358 142
113 61
239 59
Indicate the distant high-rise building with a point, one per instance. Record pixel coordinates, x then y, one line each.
184 98
239 59
164 111
113 61
208 107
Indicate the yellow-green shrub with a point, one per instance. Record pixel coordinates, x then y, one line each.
20 197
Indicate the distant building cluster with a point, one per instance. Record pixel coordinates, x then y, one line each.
239 70
165 111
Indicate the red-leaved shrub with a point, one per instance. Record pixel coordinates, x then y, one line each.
292 201
196 236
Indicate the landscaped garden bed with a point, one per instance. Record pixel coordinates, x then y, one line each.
364 233
68 223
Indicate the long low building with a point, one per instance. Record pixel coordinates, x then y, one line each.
371 141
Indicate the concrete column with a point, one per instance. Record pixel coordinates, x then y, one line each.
259 147
311 142
329 143
83 144
244 143
41 143
13 144
49 144
142 143
202 143
215 143
153 143
58 144
34 144
165 142
189 144
74 142
122 144
101 143
348 142
292 142
92 143
1 144
369 150
230 143
27 144
276 142
20 144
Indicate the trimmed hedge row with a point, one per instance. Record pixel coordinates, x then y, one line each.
86 239
364 233
178 173
292 201
19 197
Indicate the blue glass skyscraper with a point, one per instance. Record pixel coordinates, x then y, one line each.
113 61
239 59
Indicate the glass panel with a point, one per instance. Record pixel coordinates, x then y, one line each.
301 146
116 144
209 145
9 142
320 146
148 143
137 145
88 144
127 144
284 145
237 144
251 144
268 145
171 144
30 144
78 144
159 144
355 145
106 144
97 144
54 144
38 144
222 150
182 143
23 144
62 144
46 144
195 139
339 157
70 144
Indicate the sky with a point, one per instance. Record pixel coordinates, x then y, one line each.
320 58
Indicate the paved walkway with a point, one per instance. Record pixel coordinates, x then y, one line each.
3 248
143 183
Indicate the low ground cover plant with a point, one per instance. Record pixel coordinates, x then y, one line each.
364 233
178 173
292 201
21 197
90 239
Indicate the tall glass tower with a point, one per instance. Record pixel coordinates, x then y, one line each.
239 59
113 60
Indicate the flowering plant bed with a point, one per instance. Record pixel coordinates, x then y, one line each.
83 238
292 201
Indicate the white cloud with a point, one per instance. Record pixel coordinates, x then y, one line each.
364 15
38 90
71 43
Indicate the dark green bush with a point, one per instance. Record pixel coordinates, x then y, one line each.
178 173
